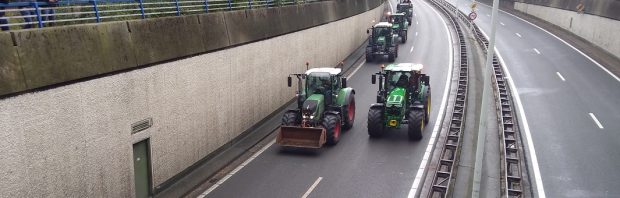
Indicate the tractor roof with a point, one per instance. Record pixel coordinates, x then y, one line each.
383 24
399 14
331 71
404 67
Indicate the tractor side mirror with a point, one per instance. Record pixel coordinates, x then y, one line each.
367 31
290 81
373 79
344 82
426 80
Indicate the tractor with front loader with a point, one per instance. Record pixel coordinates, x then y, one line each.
407 8
382 42
404 98
399 25
325 107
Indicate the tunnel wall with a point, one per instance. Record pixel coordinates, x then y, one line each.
75 139
601 31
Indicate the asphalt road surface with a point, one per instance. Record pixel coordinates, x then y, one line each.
571 104
358 166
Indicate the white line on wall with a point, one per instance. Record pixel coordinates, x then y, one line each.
560 75
431 143
312 187
600 126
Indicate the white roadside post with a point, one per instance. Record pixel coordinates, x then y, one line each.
486 103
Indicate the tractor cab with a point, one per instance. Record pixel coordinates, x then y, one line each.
398 21
324 82
381 33
407 8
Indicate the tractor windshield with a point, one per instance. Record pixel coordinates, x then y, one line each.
398 79
381 31
397 19
317 83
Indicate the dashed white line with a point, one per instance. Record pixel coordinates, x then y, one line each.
600 126
566 43
488 15
416 33
416 22
502 24
411 50
312 187
536 50
560 75
431 143
518 34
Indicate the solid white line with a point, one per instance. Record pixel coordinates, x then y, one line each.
411 50
312 187
245 163
358 68
518 34
391 9
568 44
526 127
431 143
502 23
560 75
536 50
600 126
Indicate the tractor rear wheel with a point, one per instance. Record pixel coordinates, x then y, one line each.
416 124
349 113
369 58
332 125
290 118
376 125
403 39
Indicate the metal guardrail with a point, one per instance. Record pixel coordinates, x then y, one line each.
25 15
448 161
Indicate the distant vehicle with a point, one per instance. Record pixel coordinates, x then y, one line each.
400 25
407 8
382 42
325 106
404 97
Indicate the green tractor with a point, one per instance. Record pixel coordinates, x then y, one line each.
382 42
325 107
399 25
407 8
404 97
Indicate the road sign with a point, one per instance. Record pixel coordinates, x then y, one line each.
472 16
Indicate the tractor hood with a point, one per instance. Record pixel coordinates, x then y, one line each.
396 97
395 26
381 40
313 106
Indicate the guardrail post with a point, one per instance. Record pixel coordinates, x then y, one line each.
206 6
141 9
96 9
38 11
229 4
176 2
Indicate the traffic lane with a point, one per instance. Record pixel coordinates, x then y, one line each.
558 110
361 154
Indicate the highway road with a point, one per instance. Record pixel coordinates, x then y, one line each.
570 109
358 166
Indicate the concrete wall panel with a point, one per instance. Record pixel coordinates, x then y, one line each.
215 34
161 39
11 74
55 55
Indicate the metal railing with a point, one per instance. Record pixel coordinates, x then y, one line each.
23 15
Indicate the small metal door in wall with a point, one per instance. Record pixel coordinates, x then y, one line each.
142 169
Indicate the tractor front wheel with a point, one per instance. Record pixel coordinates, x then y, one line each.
290 118
427 108
376 125
416 124
332 125
349 114
404 37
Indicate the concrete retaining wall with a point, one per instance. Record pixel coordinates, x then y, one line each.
600 31
75 140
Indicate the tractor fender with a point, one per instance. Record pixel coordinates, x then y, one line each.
331 112
417 105
345 95
422 97
377 105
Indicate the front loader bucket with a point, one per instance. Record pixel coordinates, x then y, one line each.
305 137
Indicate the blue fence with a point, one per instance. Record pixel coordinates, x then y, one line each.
21 15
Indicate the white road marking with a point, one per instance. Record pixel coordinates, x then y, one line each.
536 50
502 24
526 127
312 187
391 9
431 143
518 34
414 14
245 163
488 15
358 68
569 45
416 22
416 33
600 126
411 50
560 75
